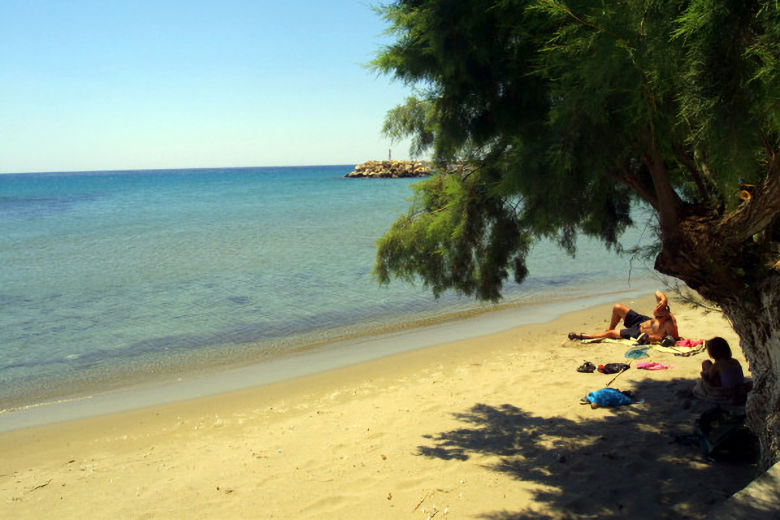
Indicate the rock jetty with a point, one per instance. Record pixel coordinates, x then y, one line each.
391 169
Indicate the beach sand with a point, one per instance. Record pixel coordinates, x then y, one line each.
490 427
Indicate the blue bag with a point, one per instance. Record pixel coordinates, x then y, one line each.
608 397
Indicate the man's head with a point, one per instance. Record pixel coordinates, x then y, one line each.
662 314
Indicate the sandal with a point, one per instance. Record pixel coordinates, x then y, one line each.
586 367
574 336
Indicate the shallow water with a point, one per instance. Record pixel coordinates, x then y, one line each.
111 278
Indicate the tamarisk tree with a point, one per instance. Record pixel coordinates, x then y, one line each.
549 119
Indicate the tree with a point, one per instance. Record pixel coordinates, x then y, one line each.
562 114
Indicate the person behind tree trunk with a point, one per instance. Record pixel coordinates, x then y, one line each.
725 371
722 382
662 323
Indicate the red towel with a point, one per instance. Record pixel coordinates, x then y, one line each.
689 342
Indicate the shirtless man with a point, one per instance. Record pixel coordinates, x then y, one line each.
662 323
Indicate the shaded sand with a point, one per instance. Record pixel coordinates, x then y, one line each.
760 500
482 428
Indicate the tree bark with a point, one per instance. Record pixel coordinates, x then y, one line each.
703 254
759 333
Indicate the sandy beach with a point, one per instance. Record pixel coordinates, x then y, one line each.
489 427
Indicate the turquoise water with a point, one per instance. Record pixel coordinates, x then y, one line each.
111 278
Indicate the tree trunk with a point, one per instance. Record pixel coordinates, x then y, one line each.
759 333
748 292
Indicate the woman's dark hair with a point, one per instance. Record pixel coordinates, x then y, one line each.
718 348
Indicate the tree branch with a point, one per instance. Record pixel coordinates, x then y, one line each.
757 213
581 21
633 181
687 161
668 202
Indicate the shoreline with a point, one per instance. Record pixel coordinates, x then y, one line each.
164 365
307 359
489 426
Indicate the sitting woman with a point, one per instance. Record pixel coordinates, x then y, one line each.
725 371
722 381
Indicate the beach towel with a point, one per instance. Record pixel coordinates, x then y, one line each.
610 340
608 397
680 351
729 395
652 365
689 342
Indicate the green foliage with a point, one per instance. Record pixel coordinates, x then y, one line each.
413 118
455 236
563 114
729 90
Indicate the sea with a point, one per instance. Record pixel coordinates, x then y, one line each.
192 281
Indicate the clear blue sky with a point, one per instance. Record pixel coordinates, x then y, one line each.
121 84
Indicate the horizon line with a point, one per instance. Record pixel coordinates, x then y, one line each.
120 170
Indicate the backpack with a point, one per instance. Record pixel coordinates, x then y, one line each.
723 436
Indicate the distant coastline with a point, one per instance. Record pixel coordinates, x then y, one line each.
391 169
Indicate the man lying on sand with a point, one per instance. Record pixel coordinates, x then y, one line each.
657 328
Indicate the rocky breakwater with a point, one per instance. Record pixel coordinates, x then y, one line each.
390 169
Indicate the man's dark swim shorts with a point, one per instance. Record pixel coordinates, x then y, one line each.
632 321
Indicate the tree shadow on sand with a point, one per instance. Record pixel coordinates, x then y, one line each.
617 463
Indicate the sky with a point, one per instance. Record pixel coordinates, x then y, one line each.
122 84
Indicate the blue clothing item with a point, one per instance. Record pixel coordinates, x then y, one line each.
637 353
608 397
